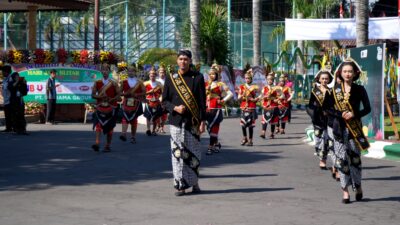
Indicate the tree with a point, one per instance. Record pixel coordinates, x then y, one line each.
362 15
213 33
257 32
195 30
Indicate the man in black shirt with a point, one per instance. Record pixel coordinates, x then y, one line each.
185 100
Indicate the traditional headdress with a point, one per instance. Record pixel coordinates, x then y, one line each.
323 71
249 73
354 64
162 67
152 69
271 75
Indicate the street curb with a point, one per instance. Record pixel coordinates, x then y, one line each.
378 149
392 151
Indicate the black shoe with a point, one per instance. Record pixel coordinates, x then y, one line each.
215 150
323 168
359 196
218 146
346 200
148 132
244 141
6 131
250 143
262 136
95 147
196 190
122 137
180 193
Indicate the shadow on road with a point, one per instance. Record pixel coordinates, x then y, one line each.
46 159
388 199
383 178
237 175
244 190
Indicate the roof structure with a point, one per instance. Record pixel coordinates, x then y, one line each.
44 5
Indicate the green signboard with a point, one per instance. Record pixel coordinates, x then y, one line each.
75 84
371 60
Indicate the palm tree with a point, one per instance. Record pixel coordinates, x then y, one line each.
195 30
362 22
257 32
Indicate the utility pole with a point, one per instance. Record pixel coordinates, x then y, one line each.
96 24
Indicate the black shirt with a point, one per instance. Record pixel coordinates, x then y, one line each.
171 98
358 95
317 116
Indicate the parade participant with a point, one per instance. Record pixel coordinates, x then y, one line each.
184 98
161 78
18 89
248 97
6 70
153 109
51 96
345 102
319 119
289 84
215 90
133 92
270 106
107 94
285 96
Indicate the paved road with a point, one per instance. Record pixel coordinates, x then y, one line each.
52 177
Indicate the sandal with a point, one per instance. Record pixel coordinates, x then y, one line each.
272 136
218 146
154 133
244 141
209 151
262 136
215 150
250 143
133 140
122 137
95 147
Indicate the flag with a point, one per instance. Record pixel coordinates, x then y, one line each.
341 11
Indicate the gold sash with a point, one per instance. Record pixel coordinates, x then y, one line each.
131 101
103 90
187 96
319 95
354 125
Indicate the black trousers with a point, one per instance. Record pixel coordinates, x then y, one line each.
8 117
51 110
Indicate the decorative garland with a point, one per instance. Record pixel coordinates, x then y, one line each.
297 53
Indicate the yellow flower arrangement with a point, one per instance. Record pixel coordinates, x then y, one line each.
76 56
103 56
17 57
122 65
48 57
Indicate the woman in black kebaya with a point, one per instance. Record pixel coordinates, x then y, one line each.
344 105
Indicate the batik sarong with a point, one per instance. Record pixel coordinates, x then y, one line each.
186 156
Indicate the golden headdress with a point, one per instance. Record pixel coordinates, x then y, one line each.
354 64
323 71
